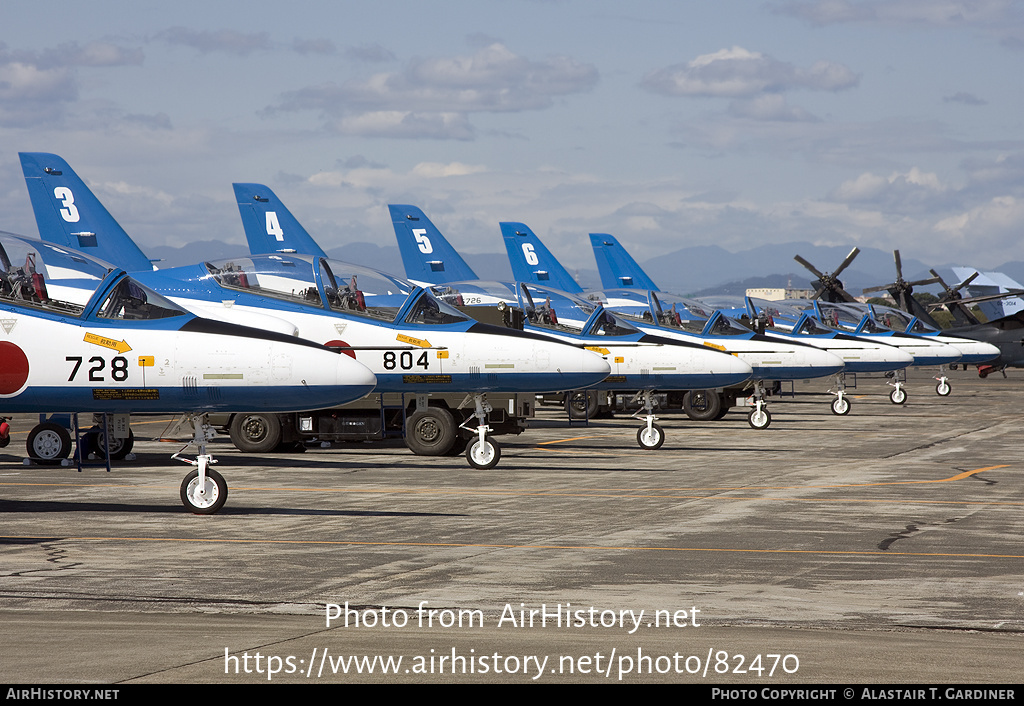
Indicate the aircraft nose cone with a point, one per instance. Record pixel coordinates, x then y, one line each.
891 354
730 369
353 379
740 369
595 365
822 363
975 351
938 354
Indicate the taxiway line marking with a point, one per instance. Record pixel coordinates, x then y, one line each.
573 438
541 493
469 545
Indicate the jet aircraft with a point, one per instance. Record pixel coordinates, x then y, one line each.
415 343
81 336
429 256
772 360
270 226
613 261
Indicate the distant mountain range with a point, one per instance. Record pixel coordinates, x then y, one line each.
703 270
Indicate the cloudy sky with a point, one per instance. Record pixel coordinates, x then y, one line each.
666 123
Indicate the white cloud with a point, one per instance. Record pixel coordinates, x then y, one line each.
737 72
434 170
999 217
433 97
405 124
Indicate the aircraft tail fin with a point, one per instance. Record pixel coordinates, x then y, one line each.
269 226
617 268
69 214
426 253
532 262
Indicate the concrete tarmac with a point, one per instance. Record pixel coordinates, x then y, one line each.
879 547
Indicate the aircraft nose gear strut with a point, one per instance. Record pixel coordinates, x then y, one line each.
203 491
898 394
650 436
759 417
482 452
943 389
841 404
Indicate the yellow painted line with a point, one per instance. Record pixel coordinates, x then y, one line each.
471 545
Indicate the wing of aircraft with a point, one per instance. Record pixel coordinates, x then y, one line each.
79 336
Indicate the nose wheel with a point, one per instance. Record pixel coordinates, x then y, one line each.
481 452
650 436
943 388
841 405
204 496
203 491
898 395
759 417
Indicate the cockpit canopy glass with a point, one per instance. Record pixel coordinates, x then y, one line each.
129 300
561 311
47 277
900 320
349 289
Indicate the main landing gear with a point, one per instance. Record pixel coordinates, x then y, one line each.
841 404
481 452
203 491
759 417
650 436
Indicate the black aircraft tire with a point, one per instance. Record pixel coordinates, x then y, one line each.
119 448
702 405
582 404
48 444
652 439
215 497
431 432
483 456
255 432
760 420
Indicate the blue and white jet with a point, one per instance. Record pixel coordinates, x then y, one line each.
772 360
80 336
270 226
429 256
413 342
